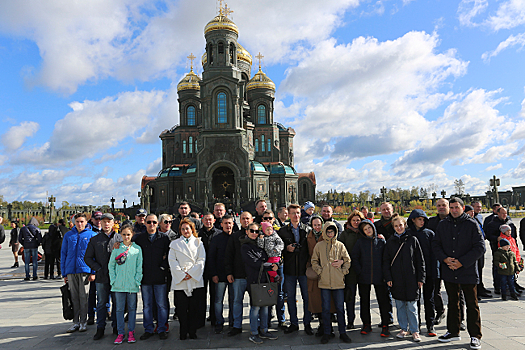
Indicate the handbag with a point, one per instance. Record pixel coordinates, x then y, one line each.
263 294
67 303
311 274
121 258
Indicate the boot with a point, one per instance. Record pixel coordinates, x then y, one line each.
15 265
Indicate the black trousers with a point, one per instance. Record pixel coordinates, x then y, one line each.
473 315
382 301
481 265
428 301
438 299
187 308
49 266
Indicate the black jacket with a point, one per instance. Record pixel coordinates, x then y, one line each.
97 255
176 222
492 231
433 222
461 239
295 262
339 227
14 236
425 237
384 227
30 237
138 228
217 255
155 268
367 258
407 269
253 257
233 259
206 237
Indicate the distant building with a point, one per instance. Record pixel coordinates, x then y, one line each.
227 147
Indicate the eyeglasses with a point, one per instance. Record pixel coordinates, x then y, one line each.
149 222
167 222
267 217
254 231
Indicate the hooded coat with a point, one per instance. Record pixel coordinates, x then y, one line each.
509 259
367 256
324 254
406 269
425 237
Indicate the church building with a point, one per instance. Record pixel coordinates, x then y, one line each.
227 147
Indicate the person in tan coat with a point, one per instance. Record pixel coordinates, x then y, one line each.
331 261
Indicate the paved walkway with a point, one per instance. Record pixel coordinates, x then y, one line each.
31 318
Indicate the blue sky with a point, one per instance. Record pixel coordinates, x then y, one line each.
380 93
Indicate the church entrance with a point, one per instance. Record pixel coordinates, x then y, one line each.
223 183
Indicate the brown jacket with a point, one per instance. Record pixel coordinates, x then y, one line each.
324 254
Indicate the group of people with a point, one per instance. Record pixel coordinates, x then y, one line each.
405 261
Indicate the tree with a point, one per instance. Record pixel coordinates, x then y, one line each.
459 186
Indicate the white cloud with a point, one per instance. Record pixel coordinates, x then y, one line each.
155 166
510 14
109 157
494 167
494 153
518 172
15 137
512 40
95 126
468 9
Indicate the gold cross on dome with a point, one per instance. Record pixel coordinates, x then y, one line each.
226 10
259 57
221 9
191 58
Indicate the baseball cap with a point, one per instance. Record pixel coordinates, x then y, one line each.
141 211
108 216
97 215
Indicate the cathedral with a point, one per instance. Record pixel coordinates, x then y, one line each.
227 147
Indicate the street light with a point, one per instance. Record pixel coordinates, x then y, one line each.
443 193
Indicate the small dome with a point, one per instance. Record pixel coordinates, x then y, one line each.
260 81
243 54
189 82
221 22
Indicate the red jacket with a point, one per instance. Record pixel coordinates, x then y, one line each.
513 246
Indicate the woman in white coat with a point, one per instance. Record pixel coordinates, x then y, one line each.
186 259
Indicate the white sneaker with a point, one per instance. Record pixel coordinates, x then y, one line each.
73 328
402 334
83 327
475 343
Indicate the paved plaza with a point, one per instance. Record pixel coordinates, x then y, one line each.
31 318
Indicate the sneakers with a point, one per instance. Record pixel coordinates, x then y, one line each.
448 337
83 327
73 328
119 340
234 331
254 338
402 334
291 328
366 329
431 331
146 335
475 343
463 326
267 335
35 278
345 338
131 337
439 319
218 328
385 332
163 335
416 337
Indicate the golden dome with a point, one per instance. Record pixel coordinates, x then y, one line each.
189 82
260 81
243 54
221 22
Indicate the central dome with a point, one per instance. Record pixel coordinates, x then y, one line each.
221 22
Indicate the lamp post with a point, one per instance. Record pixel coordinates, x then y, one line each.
443 193
124 201
51 200
494 182
434 194
383 193
112 204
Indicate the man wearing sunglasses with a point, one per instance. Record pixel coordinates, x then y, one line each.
155 269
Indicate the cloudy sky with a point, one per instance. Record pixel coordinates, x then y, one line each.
381 93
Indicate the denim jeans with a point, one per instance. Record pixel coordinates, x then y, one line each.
339 300
407 315
103 293
239 288
149 291
507 281
120 300
220 289
290 288
27 257
258 313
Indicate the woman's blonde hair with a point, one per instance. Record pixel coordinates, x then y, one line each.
397 217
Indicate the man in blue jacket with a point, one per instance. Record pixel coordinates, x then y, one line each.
458 244
76 271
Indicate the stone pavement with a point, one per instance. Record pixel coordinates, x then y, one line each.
31 318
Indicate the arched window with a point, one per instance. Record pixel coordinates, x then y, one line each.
261 114
190 115
190 145
196 146
184 147
232 53
221 47
256 145
210 54
269 145
262 143
221 108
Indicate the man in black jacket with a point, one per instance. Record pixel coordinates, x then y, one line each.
219 210
97 257
494 213
140 220
326 214
184 212
492 233
384 225
155 269
458 245
206 233
30 238
295 258
235 272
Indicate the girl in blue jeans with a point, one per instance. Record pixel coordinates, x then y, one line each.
125 275
404 272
